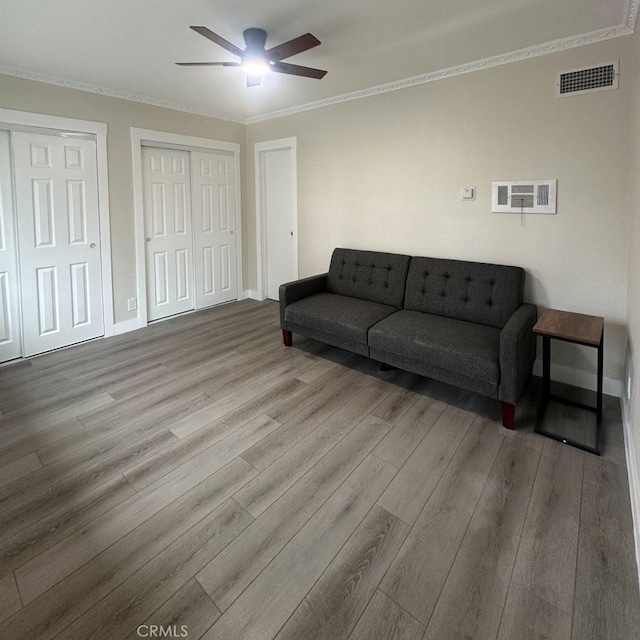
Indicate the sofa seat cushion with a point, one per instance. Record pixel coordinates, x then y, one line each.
455 345
349 318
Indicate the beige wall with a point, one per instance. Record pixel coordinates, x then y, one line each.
119 115
632 404
385 173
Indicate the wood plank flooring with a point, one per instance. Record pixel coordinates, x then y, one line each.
199 473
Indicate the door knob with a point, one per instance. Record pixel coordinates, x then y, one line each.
92 245
148 239
231 232
292 234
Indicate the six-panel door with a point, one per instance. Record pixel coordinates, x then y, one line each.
59 240
214 221
168 236
190 220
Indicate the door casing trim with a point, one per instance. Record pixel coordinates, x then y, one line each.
260 149
148 137
99 130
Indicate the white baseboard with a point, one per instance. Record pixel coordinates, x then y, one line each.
125 326
579 378
251 294
631 446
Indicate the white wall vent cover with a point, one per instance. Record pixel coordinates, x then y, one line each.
587 79
524 196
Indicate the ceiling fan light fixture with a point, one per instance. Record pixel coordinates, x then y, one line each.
258 61
256 66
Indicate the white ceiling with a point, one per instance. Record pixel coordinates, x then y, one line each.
130 46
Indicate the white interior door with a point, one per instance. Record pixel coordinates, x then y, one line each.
278 212
58 240
214 222
10 334
168 237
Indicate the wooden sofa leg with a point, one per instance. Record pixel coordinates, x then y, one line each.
508 415
287 338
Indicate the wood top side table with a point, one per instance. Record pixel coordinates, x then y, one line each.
579 329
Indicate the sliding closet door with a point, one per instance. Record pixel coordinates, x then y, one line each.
167 221
10 347
214 217
59 240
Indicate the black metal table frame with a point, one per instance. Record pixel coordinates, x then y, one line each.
547 396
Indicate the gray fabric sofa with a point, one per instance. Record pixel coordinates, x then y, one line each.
463 323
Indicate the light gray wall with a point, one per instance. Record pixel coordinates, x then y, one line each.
119 115
385 172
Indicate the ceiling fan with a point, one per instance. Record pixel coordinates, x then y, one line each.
255 60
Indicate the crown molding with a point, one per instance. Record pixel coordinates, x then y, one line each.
114 93
631 14
627 27
487 63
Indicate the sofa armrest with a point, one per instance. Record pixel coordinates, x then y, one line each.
294 291
517 352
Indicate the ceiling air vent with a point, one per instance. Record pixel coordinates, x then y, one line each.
587 79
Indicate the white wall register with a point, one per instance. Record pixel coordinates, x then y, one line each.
524 196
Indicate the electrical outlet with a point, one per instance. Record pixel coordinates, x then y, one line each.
132 304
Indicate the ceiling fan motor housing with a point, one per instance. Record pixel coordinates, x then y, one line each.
255 39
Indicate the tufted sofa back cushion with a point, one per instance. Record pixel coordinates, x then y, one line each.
369 275
483 293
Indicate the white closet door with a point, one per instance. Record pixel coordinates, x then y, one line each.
10 346
59 240
167 213
214 217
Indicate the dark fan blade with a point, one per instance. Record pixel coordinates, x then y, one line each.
208 64
290 48
214 37
253 81
297 70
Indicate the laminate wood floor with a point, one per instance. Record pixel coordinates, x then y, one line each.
199 476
